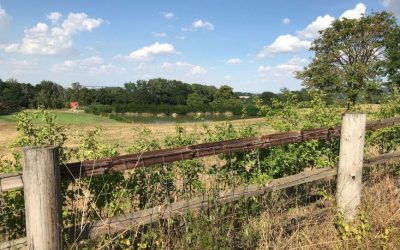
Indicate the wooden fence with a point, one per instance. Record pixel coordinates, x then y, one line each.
42 176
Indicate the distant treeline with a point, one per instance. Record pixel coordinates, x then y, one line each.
152 96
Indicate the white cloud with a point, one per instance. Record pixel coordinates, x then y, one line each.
184 66
44 40
148 52
159 34
286 20
357 12
91 65
167 15
54 16
294 64
282 75
200 24
4 18
227 77
321 23
284 44
393 6
234 61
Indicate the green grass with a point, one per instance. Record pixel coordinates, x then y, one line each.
64 117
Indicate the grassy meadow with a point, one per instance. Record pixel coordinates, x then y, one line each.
112 132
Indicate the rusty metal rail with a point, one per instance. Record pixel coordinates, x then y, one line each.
164 156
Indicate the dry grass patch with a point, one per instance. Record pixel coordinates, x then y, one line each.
316 226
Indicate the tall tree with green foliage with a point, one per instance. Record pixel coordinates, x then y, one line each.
50 95
392 64
349 55
224 97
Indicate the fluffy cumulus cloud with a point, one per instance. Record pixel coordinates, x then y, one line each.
200 24
393 6
44 40
167 15
311 31
234 61
54 17
294 64
149 52
284 44
286 20
4 17
91 65
357 12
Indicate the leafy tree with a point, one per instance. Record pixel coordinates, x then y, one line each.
195 100
15 95
267 97
225 97
50 95
348 55
207 92
393 57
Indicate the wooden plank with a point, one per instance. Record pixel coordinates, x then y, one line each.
129 221
11 181
349 180
164 156
14 244
42 195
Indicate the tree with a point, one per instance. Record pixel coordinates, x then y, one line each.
348 56
267 97
225 97
195 100
50 95
392 64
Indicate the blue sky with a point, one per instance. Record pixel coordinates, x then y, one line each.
253 46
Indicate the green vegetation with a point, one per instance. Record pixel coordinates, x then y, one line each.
62 117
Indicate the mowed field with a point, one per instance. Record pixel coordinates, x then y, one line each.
113 132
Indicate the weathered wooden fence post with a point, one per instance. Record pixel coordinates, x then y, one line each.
42 194
349 178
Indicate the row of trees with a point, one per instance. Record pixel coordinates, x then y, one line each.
15 95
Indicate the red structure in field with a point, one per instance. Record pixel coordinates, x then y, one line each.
73 105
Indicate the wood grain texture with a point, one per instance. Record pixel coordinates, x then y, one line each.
42 195
349 180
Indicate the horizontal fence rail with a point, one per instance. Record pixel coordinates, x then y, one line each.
122 163
125 162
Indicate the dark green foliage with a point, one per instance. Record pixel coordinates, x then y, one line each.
15 96
49 95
